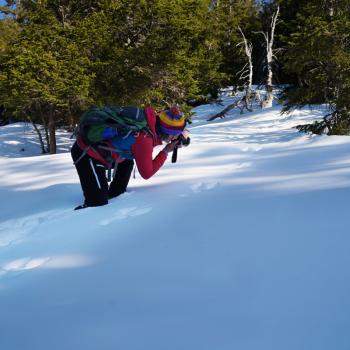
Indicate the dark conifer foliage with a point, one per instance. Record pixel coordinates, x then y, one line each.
318 54
70 54
58 57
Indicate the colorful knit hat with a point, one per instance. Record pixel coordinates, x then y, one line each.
171 121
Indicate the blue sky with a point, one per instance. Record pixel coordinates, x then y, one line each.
2 3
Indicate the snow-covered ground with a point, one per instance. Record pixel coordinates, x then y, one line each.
242 244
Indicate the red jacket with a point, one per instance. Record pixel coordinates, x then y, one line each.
142 149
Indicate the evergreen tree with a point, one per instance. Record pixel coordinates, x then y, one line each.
43 74
9 30
150 51
318 53
71 54
226 17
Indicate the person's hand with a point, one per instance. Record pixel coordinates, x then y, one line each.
171 146
186 133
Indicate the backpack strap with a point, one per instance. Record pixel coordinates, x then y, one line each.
147 130
94 153
85 150
115 150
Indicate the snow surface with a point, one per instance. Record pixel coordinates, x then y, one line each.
242 244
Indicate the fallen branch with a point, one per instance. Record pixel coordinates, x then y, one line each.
242 103
226 110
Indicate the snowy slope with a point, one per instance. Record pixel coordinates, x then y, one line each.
242 244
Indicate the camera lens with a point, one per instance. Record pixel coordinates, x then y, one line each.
185 141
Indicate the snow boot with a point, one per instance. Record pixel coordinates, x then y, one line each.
83 206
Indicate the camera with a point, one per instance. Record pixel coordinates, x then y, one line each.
184 141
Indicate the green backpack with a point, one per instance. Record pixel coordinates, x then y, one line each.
126 120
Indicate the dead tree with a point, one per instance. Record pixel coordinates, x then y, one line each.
246 74
222 114
42 145
270 55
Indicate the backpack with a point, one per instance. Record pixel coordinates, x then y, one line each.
125 120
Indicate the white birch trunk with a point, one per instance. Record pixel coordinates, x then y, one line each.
247 73
269 58
248 51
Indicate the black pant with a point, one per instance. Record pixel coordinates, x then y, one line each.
93 180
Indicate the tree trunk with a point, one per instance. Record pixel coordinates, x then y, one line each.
269 59
52 132
248 86
44 122
42 145
269 87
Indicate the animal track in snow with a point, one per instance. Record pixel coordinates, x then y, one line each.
16 267
251 149
15 231
200 186
125 213
236 166
25 264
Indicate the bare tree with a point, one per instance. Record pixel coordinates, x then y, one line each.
246 74
270 55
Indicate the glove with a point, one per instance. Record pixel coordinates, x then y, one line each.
171 146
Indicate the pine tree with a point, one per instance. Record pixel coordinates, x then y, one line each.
72 54
318 53
226 18
9 30
44 74
151 51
